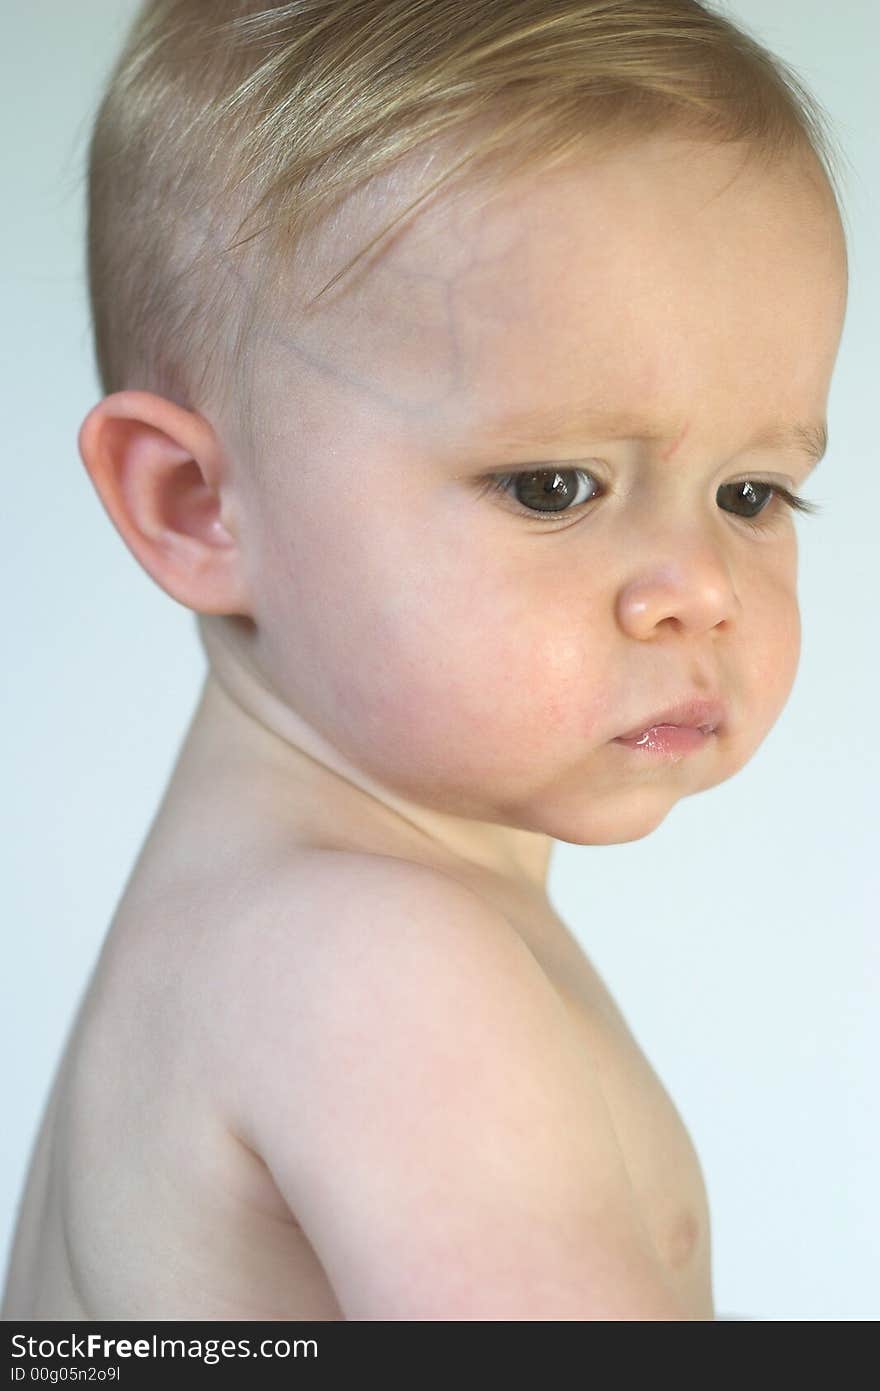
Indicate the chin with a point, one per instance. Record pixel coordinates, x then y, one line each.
617 821
621 835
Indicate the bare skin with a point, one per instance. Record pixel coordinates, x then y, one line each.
421 673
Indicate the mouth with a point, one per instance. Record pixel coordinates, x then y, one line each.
695 716
672 734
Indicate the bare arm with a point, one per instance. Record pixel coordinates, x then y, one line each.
432 1118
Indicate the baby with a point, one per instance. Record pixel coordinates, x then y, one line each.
478 461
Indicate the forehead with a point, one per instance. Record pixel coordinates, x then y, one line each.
670 276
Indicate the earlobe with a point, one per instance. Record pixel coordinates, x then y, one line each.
157 469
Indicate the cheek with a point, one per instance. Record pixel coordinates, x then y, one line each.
421 662
768 655
473 672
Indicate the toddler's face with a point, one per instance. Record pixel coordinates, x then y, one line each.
477 652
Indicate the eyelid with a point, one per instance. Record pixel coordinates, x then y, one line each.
594 468
783 499
498 481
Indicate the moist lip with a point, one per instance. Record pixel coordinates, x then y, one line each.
666 742
697 713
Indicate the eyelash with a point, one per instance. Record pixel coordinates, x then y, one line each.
499 482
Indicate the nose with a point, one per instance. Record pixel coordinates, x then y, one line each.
692 592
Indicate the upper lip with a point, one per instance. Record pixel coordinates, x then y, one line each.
702 714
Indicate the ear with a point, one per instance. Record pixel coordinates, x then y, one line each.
157 469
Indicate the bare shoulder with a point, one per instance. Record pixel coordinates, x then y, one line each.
336 922
331 893
339 946
416 1088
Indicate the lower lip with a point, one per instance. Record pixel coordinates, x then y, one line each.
667 741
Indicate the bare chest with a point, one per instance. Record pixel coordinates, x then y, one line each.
659 1154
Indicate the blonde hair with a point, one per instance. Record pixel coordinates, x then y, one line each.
217 115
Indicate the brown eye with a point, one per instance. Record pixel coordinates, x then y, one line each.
546 491
751 497
749 500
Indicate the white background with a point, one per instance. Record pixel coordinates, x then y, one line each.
739 939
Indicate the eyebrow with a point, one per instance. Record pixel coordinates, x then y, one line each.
812 440
544 426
